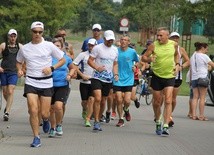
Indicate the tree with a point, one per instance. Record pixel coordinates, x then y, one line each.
19 14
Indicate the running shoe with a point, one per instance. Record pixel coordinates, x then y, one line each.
108 114
165 131
127 114
84 114
87 123
46 126
113 115
137 103
103 118
36 142
158 128
6 116
120 123
59 131
52 133
97 126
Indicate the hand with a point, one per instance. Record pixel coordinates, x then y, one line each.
1 70
20 73
47 71
116 77
100 68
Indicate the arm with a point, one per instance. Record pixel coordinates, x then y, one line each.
186 63
94 66
176 59
72 71
49 70
146 57
115 71
19 69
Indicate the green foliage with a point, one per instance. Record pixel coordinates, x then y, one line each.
19 14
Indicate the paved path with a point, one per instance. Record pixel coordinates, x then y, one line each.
137 137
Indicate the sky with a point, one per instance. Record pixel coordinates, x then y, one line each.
117 0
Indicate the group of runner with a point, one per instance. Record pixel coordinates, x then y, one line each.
106 72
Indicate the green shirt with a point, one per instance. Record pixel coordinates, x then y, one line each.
164 64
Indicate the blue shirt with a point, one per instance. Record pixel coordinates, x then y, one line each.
60 74
85 43
126 61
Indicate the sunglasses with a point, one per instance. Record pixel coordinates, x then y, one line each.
96 30
35 32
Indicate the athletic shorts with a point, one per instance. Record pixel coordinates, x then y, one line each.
60 94
103 86
85 91
136 82
8 79
158 83
48 92
178 83
122 88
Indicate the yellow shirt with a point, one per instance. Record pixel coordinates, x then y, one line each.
164 63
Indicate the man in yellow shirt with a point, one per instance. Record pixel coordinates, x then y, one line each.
164 60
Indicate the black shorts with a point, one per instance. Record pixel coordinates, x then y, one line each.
122 88
60 94
136 82
158 83
85 91
178 83
103 86
48 92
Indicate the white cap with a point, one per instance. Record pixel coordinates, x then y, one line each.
37 24
92 41
174 34
109 34
12 31
96 26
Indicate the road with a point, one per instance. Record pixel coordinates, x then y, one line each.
137 137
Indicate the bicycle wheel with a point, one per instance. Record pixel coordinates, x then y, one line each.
140 98
148 98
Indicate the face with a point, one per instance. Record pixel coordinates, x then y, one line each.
90 47
58 44
62 33
124 42
205 50
162 36
12 38
96 33
37 34
174 38
108 43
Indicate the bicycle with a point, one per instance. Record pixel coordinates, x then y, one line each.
144 89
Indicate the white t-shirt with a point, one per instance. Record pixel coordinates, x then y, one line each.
37 57
104 56
82 59
199 65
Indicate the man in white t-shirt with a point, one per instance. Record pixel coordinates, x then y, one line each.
103 59
37 55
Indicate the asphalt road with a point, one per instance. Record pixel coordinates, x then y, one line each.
137 137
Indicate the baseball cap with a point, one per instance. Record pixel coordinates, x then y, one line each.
109 34
96 26
37 24
12 31
174 34
92 41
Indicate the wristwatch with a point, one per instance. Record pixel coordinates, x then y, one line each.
52 68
